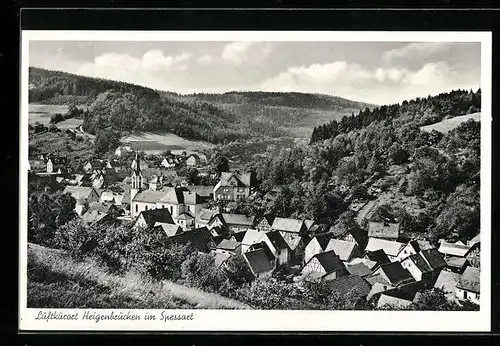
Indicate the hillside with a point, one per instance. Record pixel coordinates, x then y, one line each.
215 118
57 281
449 124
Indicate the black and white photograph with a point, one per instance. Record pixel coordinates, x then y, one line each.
256 174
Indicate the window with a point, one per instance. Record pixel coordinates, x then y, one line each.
226 190
136 208
146 208
171 210
465 294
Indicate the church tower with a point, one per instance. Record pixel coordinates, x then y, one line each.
137 179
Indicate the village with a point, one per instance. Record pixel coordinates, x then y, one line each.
376 264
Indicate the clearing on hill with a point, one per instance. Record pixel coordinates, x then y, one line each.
449 124
156 142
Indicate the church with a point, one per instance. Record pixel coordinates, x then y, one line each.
182 204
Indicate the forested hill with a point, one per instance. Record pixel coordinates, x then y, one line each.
282 99
419 111
123 107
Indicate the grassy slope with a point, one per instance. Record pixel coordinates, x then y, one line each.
155 142
449 124
57 281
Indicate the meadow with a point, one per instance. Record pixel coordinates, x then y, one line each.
449 124
42 113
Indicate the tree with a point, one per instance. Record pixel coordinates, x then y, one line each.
198 270
237 271
434 300
219 163
55 118
77 238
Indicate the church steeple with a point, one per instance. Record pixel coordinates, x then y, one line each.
136 181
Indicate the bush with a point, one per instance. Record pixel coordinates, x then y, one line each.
198 270
55 118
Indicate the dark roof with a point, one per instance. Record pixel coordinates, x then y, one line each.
263 245
217 239
396 273
434 258
153 216
239 235
420 263
277 240
269 218
330 261
359 269
242 180
350 284
200 238
323 239
378 256
258 261
470 280
406 291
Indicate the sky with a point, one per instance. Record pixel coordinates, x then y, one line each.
373 72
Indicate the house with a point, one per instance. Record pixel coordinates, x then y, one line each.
383 230
251 237
109 196
238 236
82 195
327 264
199 238
351 235
390 300
455 250
394 274
56 164
265 223
344 249
359 269
316 245
468 287
168 162
94 217
168 229
204 216
447 281
232 186
37 166
289 228
104 208
149 218
378 257
456 264
418 267
259 262
185 220
350 285
220 259
229 247
92 165
194 160
217 221
202 190
474 240
278 246
391 248
238 222
413 247
309 224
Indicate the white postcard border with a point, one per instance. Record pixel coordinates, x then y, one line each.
259 320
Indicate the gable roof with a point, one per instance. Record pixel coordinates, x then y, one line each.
201 190
148 196
227 244
152 216
456 262
323 240
383 230
269 218
419 262
263 245
100 207
206 214
360 269
474 240
342 248
391 248
308 223
277 240
220 258
377 278
95 217
392 301
433 258
252 236
169 229
243 180
258 261
200 238
350 284
79 192
287 225
454 249
238 219
329 261
396 273
239 236
447 281
378 256
470 280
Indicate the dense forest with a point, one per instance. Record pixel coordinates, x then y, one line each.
421 111
428 181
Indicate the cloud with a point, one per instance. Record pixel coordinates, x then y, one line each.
416 50
206 59
378 85
245 52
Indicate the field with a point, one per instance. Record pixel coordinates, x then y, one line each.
42 113
156 142
449 124
57 281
